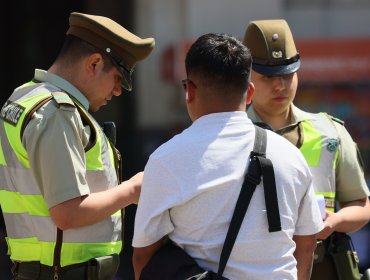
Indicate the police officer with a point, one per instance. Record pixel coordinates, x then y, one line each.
60 192
323 140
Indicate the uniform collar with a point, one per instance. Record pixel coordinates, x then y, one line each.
252 114
44 76
297 115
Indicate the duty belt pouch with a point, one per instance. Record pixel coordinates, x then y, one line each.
344 256
103 268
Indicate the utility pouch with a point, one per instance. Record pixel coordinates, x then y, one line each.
103 268
344 256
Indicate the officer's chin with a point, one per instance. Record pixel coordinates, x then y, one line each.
93 109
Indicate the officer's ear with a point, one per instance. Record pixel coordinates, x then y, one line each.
250 92
94 63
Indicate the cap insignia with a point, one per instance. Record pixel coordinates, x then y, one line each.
277 54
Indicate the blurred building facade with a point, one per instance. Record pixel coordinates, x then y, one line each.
333 38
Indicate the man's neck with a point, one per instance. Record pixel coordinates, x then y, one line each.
276 121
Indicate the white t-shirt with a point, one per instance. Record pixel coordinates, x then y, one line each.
189 191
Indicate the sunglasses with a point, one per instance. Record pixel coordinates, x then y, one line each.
125 71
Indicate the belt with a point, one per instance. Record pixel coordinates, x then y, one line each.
36 270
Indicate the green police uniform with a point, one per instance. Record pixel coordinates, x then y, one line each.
51 151
327 146
25 200
347 183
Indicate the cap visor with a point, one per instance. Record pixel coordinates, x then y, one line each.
126 76
126 83
276 70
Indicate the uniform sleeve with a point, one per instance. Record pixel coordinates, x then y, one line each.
54 142
350 179
159 193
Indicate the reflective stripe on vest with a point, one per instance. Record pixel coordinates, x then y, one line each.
30 249
320 149
31 231
2 157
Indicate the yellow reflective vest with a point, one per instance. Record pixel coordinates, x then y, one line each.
321 150
32 235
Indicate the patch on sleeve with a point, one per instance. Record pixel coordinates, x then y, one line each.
62 98
11 112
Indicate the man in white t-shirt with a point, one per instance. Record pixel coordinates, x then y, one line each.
192 182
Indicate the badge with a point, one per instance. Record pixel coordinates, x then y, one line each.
277 54
333 144
11 112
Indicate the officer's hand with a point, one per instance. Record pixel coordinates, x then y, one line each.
135 185
329 226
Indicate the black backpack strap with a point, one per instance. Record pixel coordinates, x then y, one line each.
252 178
269 184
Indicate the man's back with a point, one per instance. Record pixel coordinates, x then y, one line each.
216 149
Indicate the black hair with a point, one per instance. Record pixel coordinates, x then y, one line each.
75 48
220 60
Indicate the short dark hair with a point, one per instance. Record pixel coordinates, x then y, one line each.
75 48
220 60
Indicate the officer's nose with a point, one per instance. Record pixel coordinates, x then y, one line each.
279 83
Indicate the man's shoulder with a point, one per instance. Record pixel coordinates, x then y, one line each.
335 119
319 115
331 123
282 150
276 140
174 144
323 119
63 100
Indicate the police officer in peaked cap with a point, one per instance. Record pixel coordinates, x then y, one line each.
328 148
61 195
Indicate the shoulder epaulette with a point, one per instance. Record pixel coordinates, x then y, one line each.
336 120
333 118
62 98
